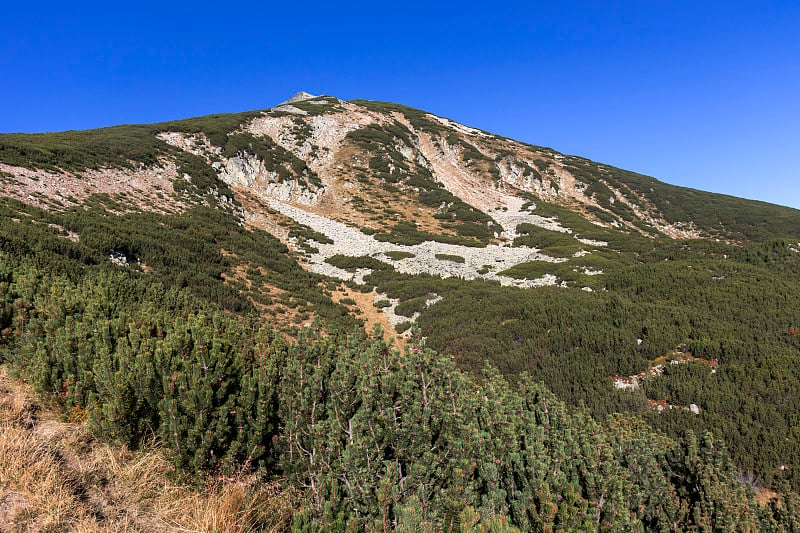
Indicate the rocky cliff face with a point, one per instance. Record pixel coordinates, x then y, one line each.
379 164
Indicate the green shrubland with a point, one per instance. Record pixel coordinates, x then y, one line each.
732 304
373 437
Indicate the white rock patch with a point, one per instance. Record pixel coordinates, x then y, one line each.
350 241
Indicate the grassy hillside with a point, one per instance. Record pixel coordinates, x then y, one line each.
108 147
56 476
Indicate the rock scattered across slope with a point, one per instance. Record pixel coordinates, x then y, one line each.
352 242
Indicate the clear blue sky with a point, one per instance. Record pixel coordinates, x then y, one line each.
703 94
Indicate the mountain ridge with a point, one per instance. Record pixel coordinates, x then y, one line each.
597 189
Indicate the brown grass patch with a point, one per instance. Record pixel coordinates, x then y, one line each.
369 313
54 476
764 496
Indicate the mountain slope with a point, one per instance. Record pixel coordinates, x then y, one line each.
139 263
334 144
402 175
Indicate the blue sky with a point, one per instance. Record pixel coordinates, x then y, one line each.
701 94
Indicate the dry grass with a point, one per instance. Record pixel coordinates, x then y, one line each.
764 496
369 314
55 477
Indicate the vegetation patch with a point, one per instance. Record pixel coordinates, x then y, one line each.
549 242
402 327
320 105
351 264
449 257
617 239
420 120
381 142
417 304
407 234
306 235
397 255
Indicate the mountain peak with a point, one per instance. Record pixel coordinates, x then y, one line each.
298 97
